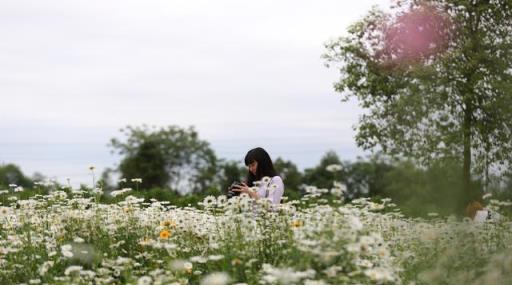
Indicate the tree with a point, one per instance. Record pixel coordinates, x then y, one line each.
147 162
166 157
12 174
230 171
319 176
106 179
435 78
366 178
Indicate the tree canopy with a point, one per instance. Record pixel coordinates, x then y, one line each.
319 175
166 157
435 78
230 171
12 174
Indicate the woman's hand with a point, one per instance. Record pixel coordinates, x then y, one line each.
243 188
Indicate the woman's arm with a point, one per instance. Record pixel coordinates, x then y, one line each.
243 188
276 190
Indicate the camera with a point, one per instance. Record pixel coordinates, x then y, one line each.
232 193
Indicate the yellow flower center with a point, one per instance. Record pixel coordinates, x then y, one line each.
165 234
169 224
297 224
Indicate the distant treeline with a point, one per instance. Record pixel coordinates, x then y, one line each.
173 164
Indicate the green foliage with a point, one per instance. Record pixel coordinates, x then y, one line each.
319 176
419 191
363 178
148 163
230 171
166 157
106 179
449 100
367 178
12 174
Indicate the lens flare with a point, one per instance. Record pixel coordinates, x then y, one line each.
416 35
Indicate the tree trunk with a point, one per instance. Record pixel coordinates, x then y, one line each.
468 101
466 168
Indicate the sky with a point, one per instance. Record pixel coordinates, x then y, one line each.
243 73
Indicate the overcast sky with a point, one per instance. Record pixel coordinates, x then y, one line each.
244 73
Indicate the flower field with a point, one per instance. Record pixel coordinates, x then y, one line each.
69 239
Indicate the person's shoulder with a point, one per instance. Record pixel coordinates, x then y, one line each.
277 179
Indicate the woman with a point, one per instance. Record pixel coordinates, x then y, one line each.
476 212
260 165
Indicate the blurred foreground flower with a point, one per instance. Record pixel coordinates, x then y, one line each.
216 278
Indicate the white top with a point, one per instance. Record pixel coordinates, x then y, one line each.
275 190
484 215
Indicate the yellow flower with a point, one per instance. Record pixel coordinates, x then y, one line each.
297 224
165 234
168 224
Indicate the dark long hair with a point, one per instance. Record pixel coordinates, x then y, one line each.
265 165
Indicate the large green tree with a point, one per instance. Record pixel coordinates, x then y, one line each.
166 157
435 79
12 174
